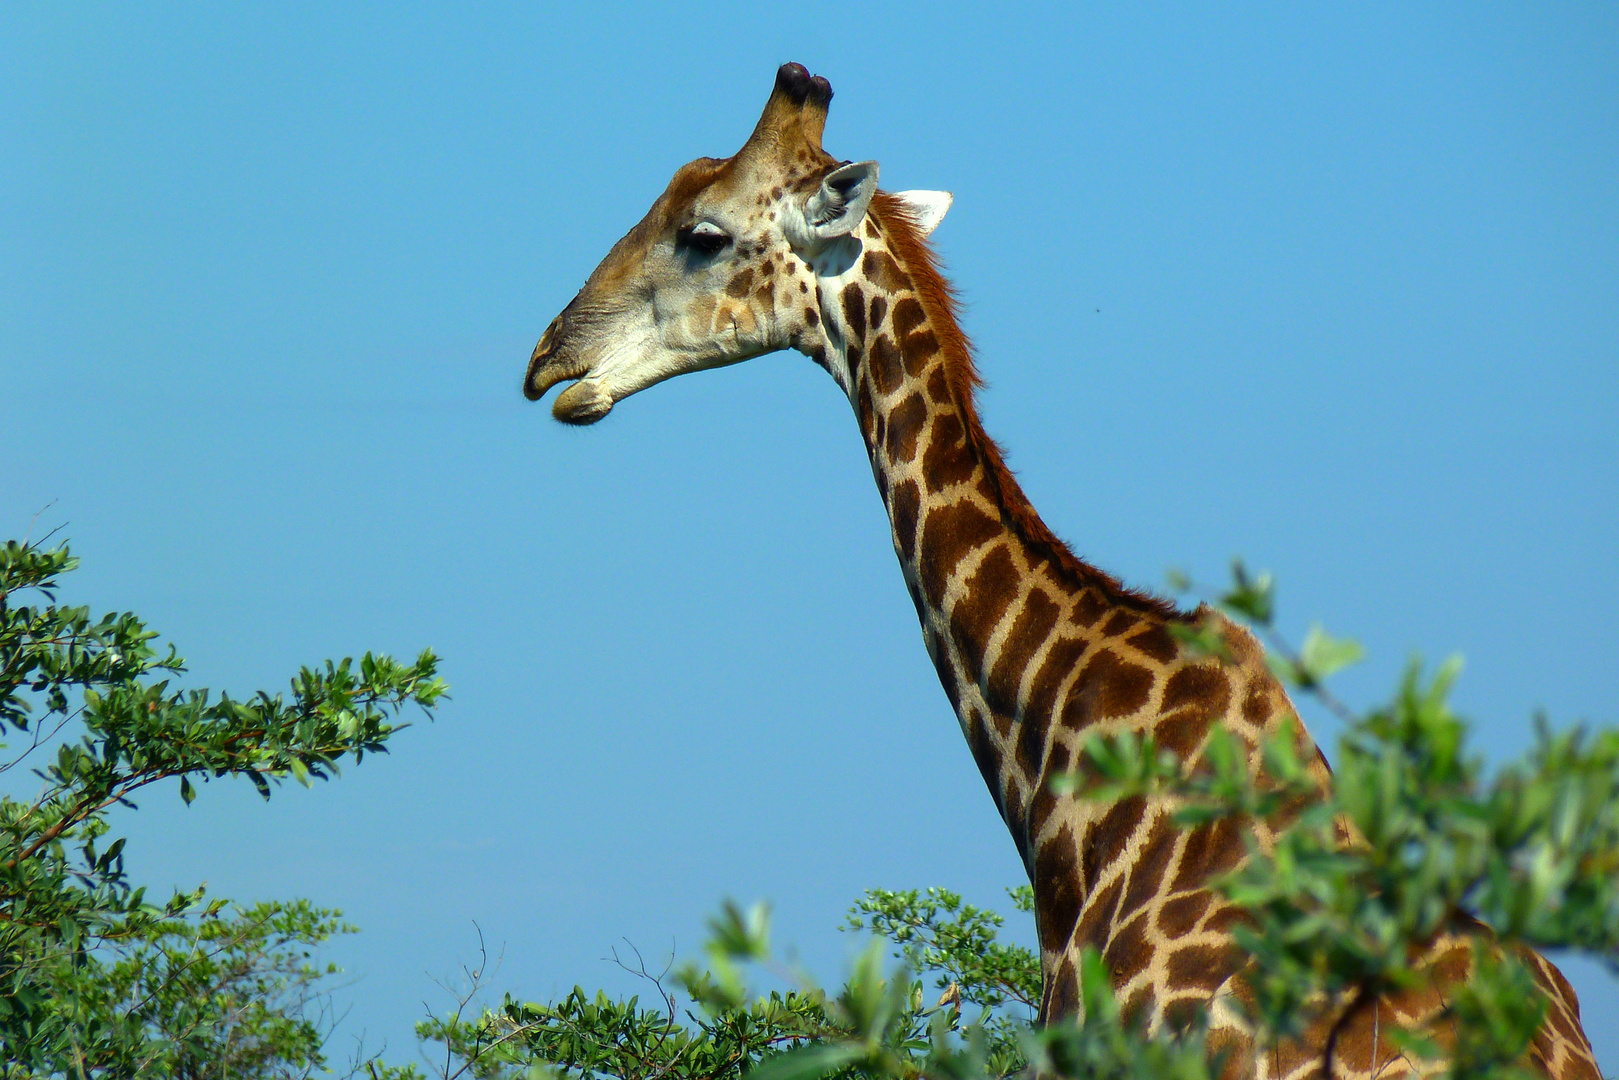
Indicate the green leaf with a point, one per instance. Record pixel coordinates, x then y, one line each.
1200 640
739 936
1285 670
1096 986
1323 655
808 1062
1251 596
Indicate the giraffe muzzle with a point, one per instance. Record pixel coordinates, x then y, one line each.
584 402
546 367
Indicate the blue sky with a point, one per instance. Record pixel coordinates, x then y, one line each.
1332 287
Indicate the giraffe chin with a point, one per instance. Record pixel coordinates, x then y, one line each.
582 403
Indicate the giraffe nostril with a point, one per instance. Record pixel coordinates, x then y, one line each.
548 340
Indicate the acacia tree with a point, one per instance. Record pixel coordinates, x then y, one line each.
96 979
1530 849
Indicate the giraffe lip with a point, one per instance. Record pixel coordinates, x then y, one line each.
585 402
542 375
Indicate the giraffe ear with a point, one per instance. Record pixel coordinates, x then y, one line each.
839 206
927 207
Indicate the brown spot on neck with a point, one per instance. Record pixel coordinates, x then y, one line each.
854 312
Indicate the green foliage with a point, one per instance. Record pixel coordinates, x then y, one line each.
207 996
878 1024
94 978
589 1036
937 933
600 1037
881 1027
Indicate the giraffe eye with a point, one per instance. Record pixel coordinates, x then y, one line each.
705 236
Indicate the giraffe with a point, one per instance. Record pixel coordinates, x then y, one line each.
782 246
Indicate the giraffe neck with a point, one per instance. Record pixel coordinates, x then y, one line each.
1007 611
1036 649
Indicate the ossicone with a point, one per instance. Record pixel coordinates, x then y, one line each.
795 81
794 117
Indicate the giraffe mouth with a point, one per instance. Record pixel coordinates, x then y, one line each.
585 402
582 403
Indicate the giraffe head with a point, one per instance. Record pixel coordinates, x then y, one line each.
725 265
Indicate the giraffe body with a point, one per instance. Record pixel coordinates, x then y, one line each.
781 246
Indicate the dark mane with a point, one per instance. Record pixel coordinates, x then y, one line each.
938 299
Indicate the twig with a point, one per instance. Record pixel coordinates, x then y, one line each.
668 1000
1363 997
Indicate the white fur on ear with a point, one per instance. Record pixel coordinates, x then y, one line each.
927 207
837 208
